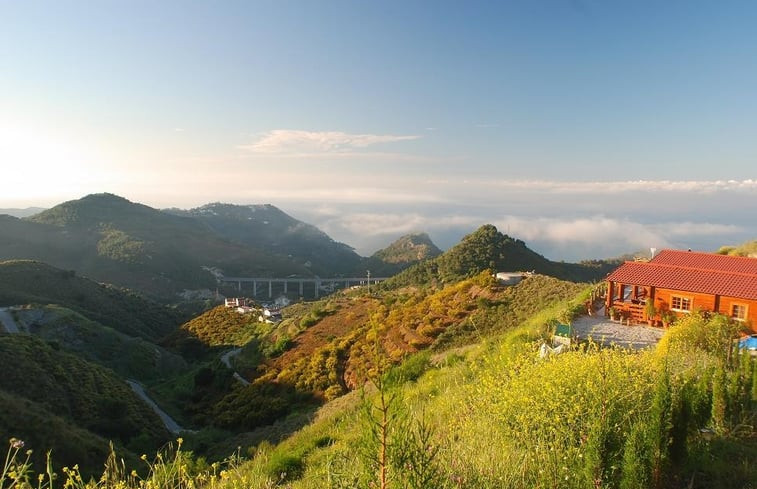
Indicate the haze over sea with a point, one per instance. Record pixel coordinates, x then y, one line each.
587 129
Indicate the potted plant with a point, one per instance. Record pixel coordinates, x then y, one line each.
613 313
667 317
651 311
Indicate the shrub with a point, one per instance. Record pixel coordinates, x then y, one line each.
284 467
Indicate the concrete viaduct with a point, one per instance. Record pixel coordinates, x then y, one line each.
318 283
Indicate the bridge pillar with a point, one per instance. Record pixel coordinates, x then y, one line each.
317 287
301 288
239 286
254 288
270 289
286 282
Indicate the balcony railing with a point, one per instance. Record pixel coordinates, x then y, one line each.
630 310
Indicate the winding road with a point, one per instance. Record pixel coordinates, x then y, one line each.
168 421
6 319
226 360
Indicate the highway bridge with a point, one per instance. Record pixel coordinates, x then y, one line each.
317 284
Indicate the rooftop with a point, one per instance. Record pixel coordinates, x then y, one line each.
705 273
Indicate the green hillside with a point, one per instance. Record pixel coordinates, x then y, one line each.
29 282
111 239
488 249
327 347
84 394
410 248
495 415
221 326
164 253
129 357
268 228
43 429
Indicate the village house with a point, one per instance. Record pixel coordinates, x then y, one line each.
270 316
241 304
679 282
511 278
235 302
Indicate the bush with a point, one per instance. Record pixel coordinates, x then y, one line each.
284 467
410 370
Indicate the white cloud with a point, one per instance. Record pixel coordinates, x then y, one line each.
683 229
380 224
285 141
599 187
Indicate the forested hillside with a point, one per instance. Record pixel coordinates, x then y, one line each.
488 249
268 228
162 253
29 282
82 395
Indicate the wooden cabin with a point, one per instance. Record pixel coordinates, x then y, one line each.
684 281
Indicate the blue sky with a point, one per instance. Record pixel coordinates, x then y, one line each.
371 119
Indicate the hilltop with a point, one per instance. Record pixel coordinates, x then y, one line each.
268 228
137 246
488 249
410 248
403 253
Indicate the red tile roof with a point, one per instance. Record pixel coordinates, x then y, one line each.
706 261
703 273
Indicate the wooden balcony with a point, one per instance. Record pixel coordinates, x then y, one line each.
630 310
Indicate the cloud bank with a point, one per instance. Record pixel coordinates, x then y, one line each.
562 220
283 141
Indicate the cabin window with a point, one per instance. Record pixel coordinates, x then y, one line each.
738 312
679 303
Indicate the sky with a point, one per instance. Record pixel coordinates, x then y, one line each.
586 128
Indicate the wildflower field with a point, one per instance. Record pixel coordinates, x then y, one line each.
495 415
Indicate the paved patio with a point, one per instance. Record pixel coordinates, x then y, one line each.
602 330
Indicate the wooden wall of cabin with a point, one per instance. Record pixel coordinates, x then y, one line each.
708 302
664 299
726 307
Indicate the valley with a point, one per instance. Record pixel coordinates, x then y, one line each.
141 369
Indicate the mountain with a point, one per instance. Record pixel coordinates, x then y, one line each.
111 239
164 253
409 249
268 228
26 212
487 248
